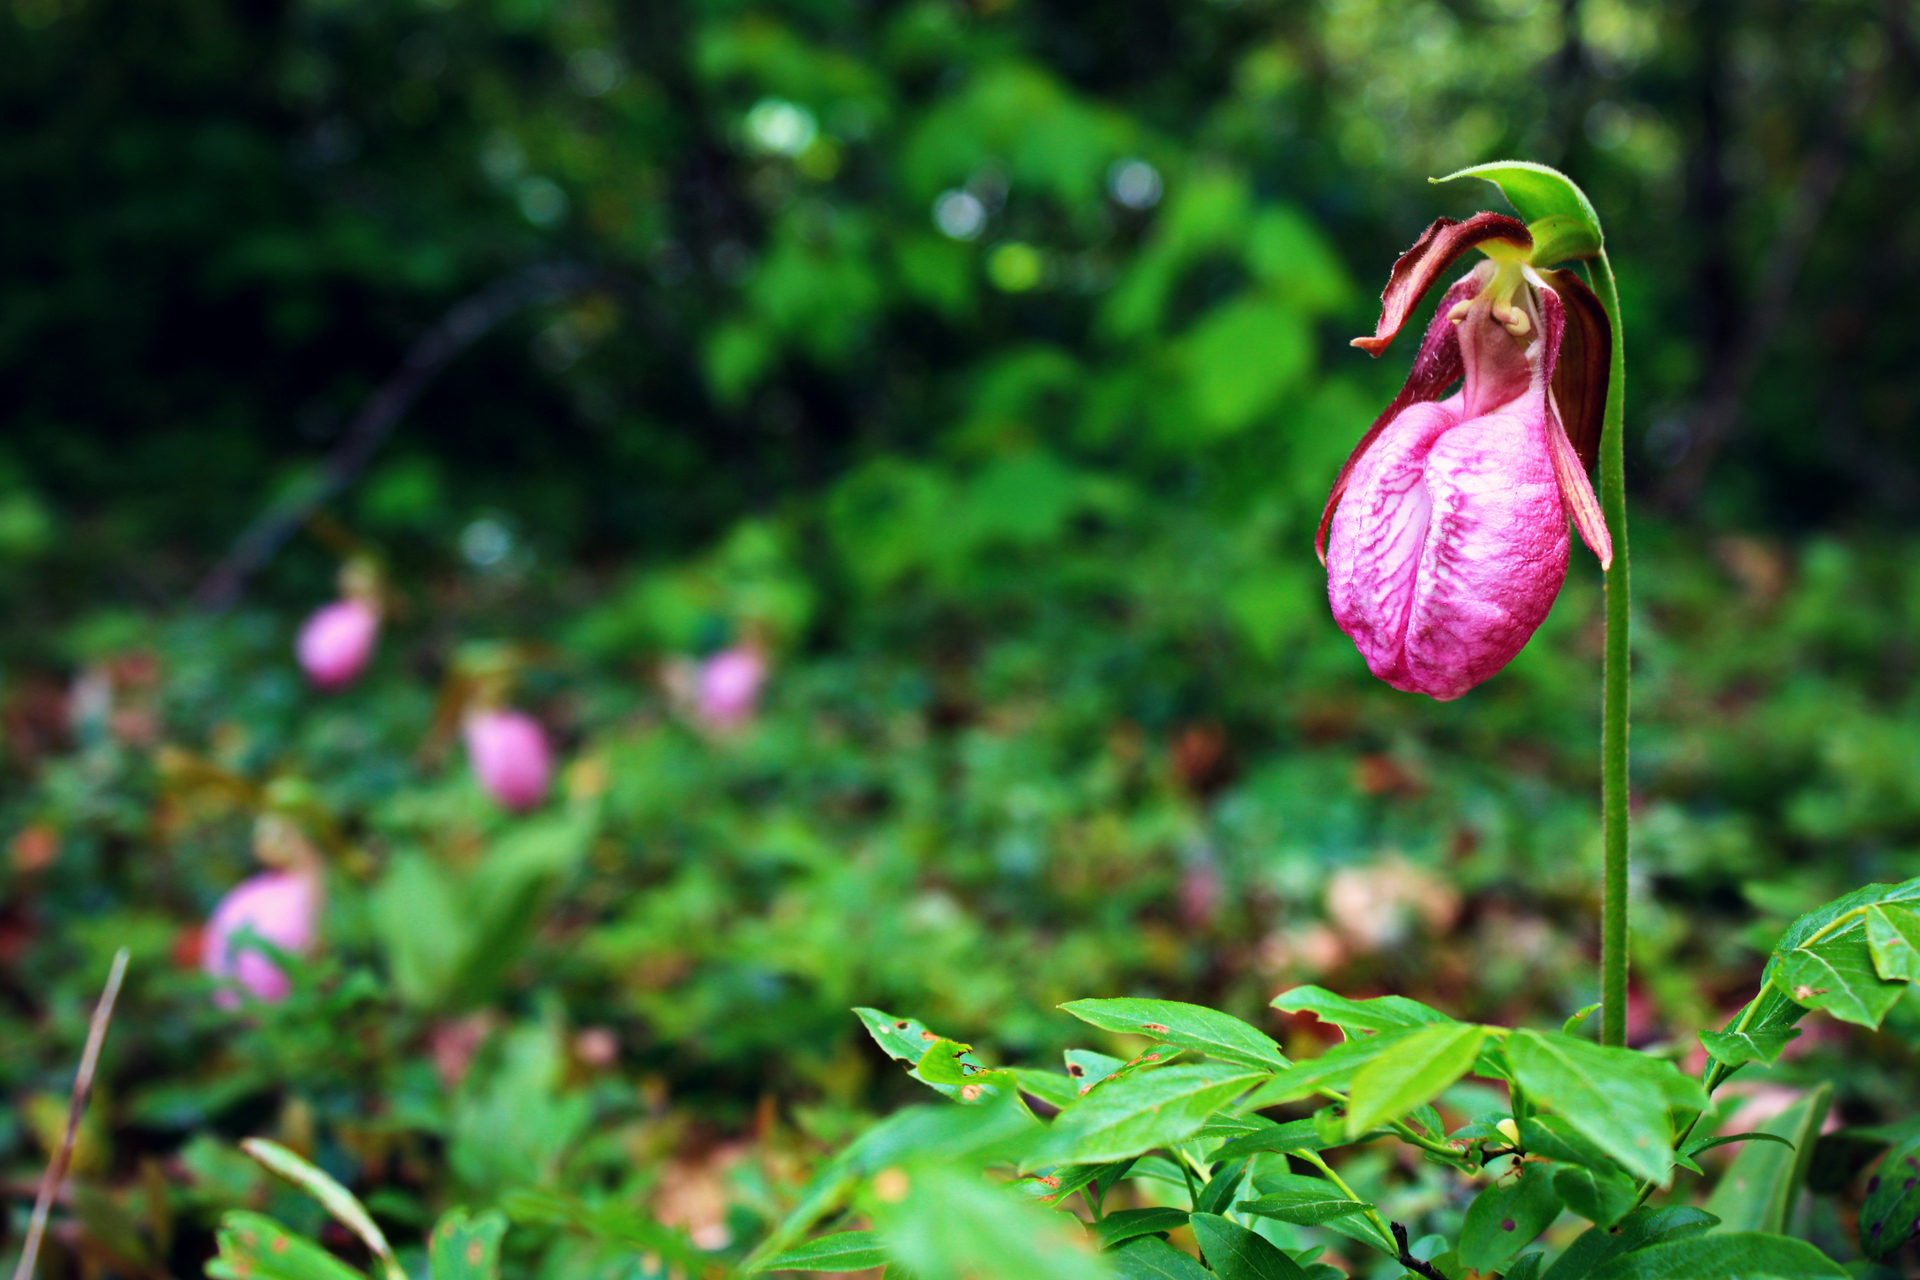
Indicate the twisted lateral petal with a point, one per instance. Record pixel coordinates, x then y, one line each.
1438 247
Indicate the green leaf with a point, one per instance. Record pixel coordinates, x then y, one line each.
1294 1135
1333 1069
1126 1224
1052 1088
336 1199
1089 1068
1382 1013
1537 193
1504 1218
1695 1146
1296 1198
907 1041
1891 1215
1601 1198
466 1248
1190 1026
1731 1255
1151 1258
952 1223
1578 1016
1218 1195
255 1247
1836 972
1893 938
1236 1253
1135 1113
613 1222
1735 1047
1761 1184
1418 1070
1556 1139
841 1251
951 1068
1615 1098
1637 1230
1527 1268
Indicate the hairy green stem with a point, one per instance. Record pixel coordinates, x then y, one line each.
1614 699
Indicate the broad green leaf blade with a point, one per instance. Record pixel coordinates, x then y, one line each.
336 1199
951 1223
1333 1069
1190 1026
1151 1258
1296 1198
1537 193
1235 1253
1637 1230
1135 1113
1382 1013
841 1251
1556 1139
951 1068
907 1041
1527 1268
1222 1188
1836 972
1695 1146
1504 1218
1127 1224
1601 1198
1891 1215
1765 1177
1294 1135
1357 1226
1893 938
466 1248
1416 1071
255 1247
1736 1047
1050 1087
1615 1098
1089 1068
1732 1255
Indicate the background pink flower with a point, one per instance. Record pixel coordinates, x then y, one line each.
510 756
280 907
728 689
336 642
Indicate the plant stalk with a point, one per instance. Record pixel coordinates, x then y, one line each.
1614 698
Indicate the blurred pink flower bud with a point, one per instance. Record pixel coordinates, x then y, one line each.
1449 523
729 686
279 907
510 758
336 642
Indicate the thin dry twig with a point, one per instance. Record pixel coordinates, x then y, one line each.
76 1108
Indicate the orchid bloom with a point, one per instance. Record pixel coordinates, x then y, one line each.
1449 521
336 642
510 757
278 907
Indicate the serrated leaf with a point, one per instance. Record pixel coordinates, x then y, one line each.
1893 939
1381 1013
1506 1216
1602 1199
1236 1253
1127 1224
466 1248
1643 1227
1151 1258
255 1247
1891 1215
1538 193
1615 1098
841 1251
1131 1114
1189 1026
1416 1071
1296 1198
1731 1255
1735 1047
1761 1184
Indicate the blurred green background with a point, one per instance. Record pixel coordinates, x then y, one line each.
988 361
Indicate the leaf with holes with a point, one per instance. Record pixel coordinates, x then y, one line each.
1189 1026
905 1040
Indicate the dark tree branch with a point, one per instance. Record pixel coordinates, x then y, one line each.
1407 1259
457 330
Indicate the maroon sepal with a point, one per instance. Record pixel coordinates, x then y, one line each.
1586 354
1576 491
1436 250
1437 367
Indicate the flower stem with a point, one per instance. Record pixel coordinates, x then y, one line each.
1614 699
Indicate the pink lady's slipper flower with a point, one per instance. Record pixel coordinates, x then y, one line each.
510 757
336 642
1449 521
727 689
278 907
